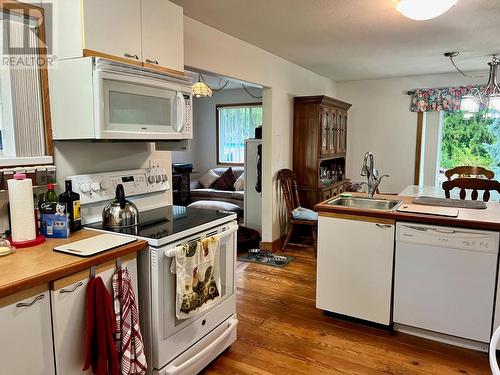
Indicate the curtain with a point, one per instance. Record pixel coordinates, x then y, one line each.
26 100
439 99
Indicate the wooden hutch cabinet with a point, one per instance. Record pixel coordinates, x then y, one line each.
319 147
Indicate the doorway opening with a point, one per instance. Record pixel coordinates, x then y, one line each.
227 134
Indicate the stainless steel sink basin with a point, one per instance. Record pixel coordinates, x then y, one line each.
368 203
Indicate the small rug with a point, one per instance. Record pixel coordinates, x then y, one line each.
266 258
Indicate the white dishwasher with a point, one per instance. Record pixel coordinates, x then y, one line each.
445 280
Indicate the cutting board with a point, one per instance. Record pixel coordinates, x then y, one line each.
429 210
94 245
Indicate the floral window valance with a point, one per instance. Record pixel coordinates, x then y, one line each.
439 99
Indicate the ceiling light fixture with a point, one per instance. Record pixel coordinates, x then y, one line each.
201 89
488 96
421 10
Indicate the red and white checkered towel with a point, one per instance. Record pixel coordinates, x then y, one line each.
128 338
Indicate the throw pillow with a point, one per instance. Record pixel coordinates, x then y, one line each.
239 185
225 181
208 179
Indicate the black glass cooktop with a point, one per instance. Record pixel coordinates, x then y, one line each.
166 221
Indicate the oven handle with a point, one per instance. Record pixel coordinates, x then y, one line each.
175 370
170 253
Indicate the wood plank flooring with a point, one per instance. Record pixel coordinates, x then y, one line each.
281 332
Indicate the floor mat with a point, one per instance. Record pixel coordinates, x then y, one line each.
266 258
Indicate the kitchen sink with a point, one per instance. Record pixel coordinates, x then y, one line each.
368 203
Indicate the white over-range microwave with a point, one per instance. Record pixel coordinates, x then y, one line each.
99 99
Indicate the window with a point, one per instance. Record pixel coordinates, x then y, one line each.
469 140
24 105
452 139
235 123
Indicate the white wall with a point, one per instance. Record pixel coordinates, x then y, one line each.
206 48
380 121
202 152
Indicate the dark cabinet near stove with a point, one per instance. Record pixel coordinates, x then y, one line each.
180 188
319 147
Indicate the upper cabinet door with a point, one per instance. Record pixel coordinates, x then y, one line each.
162 34
113 27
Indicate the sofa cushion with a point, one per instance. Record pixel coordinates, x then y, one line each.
214 193
239 185
236 170
216 205
225 181
208 178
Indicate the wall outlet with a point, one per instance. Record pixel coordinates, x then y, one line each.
154 163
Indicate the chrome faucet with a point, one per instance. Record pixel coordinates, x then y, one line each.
368 170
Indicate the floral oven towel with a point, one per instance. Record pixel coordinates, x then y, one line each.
198 276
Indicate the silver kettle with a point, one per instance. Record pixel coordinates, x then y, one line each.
120 213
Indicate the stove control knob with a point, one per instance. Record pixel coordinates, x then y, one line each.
85 188
158 178
95 186
164 177
105 185
151 179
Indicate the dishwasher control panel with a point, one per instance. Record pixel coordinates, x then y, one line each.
457 238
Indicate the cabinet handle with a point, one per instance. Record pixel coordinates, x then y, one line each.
28 304
383 226
77 285
130 56
152 62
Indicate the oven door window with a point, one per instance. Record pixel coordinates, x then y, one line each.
133 107
226 259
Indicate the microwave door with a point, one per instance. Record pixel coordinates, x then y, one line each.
138 111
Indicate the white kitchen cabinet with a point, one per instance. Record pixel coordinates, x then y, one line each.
68 310
26 333
113 27
163 34
147 32
355 265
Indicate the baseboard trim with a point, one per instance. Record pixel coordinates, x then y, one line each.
272 246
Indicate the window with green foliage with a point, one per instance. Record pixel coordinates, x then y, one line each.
469 140
235 123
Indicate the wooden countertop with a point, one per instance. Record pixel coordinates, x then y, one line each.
488 219
40 264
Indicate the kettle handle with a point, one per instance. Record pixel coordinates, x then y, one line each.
120 196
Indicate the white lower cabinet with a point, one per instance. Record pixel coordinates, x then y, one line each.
68 311
355 267
26 333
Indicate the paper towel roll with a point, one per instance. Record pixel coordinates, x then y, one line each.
22 209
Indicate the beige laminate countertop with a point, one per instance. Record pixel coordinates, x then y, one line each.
37 265
488 219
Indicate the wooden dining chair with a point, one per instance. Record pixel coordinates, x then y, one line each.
469 170
473 184
288 182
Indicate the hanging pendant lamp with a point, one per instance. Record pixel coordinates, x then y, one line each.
201 89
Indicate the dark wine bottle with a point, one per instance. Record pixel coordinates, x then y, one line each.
72 201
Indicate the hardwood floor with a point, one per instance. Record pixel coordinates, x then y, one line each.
281 332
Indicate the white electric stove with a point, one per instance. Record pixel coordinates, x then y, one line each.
172 346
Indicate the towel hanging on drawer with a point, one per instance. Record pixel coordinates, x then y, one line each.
196 266
129 342
100 351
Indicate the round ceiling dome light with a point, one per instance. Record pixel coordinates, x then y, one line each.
421 10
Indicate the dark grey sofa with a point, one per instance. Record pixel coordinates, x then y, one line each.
199 193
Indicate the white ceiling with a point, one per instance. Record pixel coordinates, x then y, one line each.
358 39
